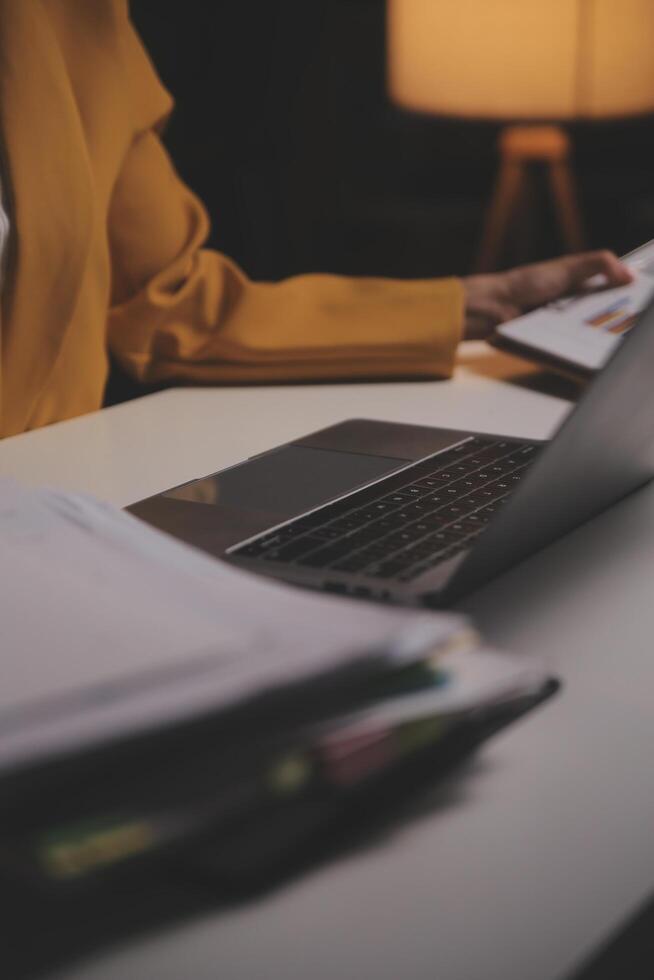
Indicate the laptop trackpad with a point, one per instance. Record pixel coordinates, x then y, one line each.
286 481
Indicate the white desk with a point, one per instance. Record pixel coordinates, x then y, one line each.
546 849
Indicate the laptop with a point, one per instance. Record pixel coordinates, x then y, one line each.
420 515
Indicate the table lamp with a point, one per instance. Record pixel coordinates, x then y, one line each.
533 63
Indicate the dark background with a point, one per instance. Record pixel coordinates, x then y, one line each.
284 129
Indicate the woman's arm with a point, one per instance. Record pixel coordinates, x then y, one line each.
180 311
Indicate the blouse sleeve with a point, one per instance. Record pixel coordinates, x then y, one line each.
180 311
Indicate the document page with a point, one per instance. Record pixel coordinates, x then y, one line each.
584 330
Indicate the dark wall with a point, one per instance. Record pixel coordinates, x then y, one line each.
284 129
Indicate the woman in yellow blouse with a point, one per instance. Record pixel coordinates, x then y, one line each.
105 249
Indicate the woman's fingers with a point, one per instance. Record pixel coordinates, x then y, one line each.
533 285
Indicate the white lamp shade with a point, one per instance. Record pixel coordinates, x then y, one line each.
522 59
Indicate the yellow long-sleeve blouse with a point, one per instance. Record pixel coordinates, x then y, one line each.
107 255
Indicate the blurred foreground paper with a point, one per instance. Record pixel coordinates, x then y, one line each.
108 627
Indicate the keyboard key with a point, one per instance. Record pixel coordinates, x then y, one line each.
383 524
296 548
367 534
373 511
453 511
398 498
424 527
435 499
354 563
491 456
387 569
430 546
376 550
324 556
472 520
410 534
327 533
394 541
464 467
474 500
440 539
480 442
346 524
486 513
429 482
417 509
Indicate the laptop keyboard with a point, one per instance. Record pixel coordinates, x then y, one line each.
408 522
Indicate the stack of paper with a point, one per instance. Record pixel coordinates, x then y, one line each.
112 632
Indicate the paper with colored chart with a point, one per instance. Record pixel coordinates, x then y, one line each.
583 331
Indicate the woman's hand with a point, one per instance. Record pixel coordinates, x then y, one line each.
495 298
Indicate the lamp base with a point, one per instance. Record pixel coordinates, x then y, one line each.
522 149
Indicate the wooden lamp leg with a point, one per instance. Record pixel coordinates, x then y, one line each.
567 205
504 205
520 148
